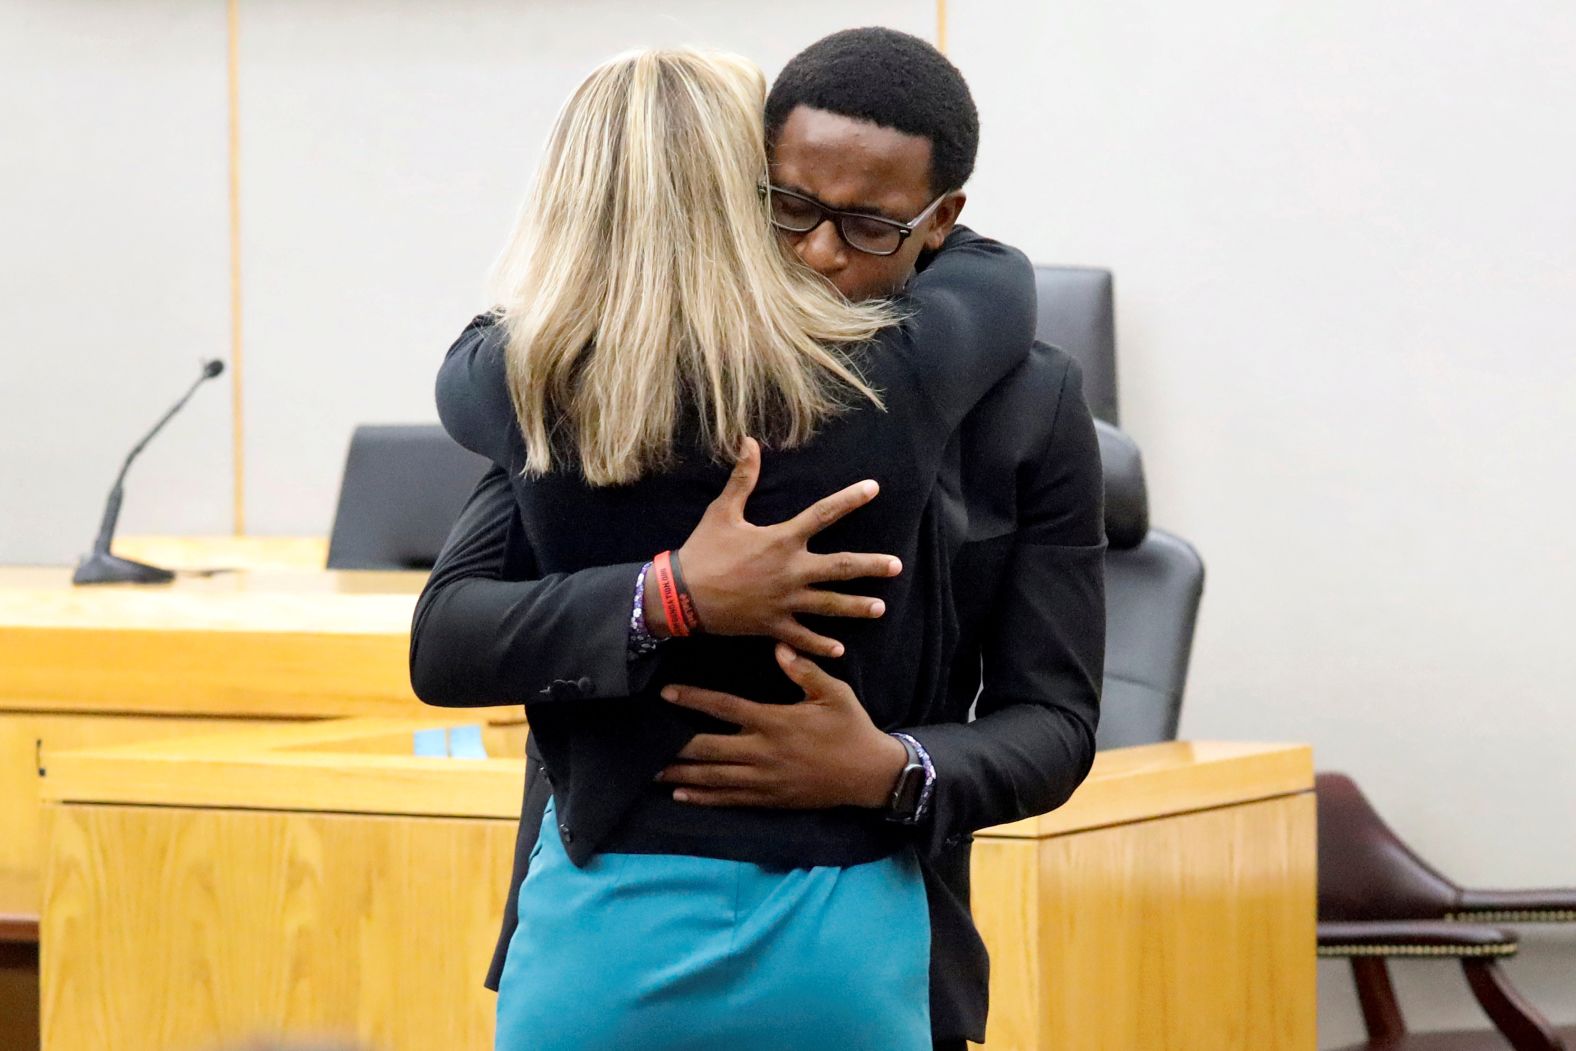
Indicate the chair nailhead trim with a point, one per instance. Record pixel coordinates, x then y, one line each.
1417 950
1515 916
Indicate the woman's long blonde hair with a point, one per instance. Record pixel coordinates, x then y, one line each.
644 281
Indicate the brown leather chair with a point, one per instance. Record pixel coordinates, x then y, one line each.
1378 900
18 981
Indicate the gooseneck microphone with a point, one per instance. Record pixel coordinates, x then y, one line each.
101 567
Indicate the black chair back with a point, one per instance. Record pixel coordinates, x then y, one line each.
1153 584
1077 313
403 488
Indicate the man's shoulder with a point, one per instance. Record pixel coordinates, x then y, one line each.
1047 366
1026 401
1007 439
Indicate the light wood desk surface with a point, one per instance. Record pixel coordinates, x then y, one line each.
1178 777
226 552
277 643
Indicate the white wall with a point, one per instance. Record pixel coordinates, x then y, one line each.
1344 236
387 146
1345 242
113 268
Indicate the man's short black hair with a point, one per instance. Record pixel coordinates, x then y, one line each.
888 78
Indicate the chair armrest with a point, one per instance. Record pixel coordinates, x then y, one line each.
1414 938
1551 905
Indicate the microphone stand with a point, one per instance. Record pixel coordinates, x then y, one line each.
101 567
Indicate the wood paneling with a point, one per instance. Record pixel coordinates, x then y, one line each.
208 673
1185 933
24 738
1173 932
351 766
170 929
85 667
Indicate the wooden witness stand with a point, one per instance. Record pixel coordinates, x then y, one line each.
321 879
274 642
242 842
238 650
1170 905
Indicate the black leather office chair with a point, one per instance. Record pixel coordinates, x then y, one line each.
1153 583
1153 579
1077 312
403 488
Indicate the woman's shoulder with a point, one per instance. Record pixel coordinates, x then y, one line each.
472 390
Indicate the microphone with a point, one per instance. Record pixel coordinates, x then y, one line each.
101 567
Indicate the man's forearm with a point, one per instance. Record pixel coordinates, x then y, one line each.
1022 760
489 630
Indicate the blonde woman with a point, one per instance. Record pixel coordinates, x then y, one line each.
651 328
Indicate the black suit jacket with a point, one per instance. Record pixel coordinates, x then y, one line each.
1022 503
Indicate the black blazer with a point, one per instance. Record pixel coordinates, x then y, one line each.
1022 503
968 321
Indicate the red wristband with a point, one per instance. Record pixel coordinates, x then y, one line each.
668 593
686 600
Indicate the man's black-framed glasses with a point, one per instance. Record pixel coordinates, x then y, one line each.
797 213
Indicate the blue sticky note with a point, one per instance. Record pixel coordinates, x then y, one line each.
431 743
465 742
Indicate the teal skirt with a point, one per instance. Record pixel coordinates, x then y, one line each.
662 952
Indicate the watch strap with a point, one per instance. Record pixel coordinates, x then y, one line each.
920 758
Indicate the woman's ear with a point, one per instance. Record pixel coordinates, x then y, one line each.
945 218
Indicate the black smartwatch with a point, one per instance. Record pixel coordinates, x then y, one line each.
909 789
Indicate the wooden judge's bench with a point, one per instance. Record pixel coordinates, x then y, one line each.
272 640
212 806
235 650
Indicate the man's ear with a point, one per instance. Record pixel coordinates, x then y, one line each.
945 218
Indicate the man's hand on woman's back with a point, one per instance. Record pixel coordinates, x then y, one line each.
756 580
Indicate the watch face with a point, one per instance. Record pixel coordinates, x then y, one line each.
910 785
